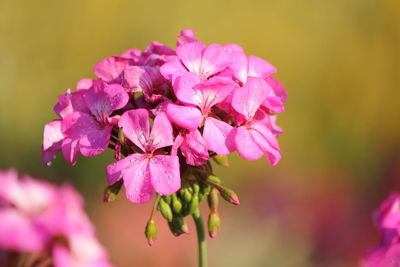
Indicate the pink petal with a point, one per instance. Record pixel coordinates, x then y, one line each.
102 99
187 36
52 134
186 117
49 155
217 136
95 142
277 88
165 174
19 233
194 148
115 171
135 126
190 54
239 65
214 59
183 88
79 124
211 92
266 133
247 99
245 145
110 68
258 67
263 140
137 182
70 102
172 69
70 150
161 132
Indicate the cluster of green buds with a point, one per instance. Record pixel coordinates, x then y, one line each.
198 184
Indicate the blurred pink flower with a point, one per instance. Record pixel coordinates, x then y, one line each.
37 217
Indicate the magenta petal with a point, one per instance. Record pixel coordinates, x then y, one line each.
245 145
183 88
70 150
186 117
247 99
110 68
78 124
49 155
272 152
165 174
116 170
258 67
135 126
214 59
217 136
212 91
52 134
278 89
239 65
194 148
137 182
190 54
19 233
95 143
172 69
161 132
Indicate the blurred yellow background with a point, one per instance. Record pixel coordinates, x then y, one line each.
339 61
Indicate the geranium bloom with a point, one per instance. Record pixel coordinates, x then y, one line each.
387 220
149 170
37 217
254 139
85 124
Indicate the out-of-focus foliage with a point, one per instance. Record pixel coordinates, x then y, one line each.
341 150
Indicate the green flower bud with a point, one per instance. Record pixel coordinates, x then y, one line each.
176 204
229 195
187 195
194 204
178 226
167 199
213 179
214 224
151 232
165 210
111 191
221 160
213 199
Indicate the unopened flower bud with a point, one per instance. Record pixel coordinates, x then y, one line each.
214 224
221 160
178 226
167 199
187 195
196 188
151 232
176 204
213 179
229 195
194 204
165 210
213 199
111 191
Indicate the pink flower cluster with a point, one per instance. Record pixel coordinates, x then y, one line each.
387 219
39 218
164 109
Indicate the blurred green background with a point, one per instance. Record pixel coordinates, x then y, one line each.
339 61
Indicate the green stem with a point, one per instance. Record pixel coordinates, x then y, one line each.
201 238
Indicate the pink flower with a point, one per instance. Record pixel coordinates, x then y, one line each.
34 215
387 219
254 138
193 148
189 90
195 57
86 124
150 170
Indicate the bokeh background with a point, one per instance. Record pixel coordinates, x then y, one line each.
339 61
